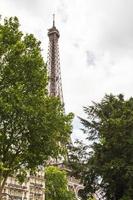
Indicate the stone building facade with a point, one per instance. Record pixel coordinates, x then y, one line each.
32 189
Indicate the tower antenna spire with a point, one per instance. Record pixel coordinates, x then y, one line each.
53 20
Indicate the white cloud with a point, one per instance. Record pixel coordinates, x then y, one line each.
103 28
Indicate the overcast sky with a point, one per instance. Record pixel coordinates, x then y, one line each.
96 45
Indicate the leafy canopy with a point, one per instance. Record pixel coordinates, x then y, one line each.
56 185
108 169
33 126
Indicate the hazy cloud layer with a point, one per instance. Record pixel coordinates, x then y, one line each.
94 33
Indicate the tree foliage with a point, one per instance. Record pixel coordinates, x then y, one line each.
56 185
33 126
108 169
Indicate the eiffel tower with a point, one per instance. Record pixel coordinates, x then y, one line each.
53 63
55 84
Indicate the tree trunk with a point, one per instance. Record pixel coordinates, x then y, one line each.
1 189
2 185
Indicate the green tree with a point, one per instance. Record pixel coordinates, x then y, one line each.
105 165
56 185
33 126
109 166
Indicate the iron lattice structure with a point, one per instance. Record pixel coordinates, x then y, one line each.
55 89
53 64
